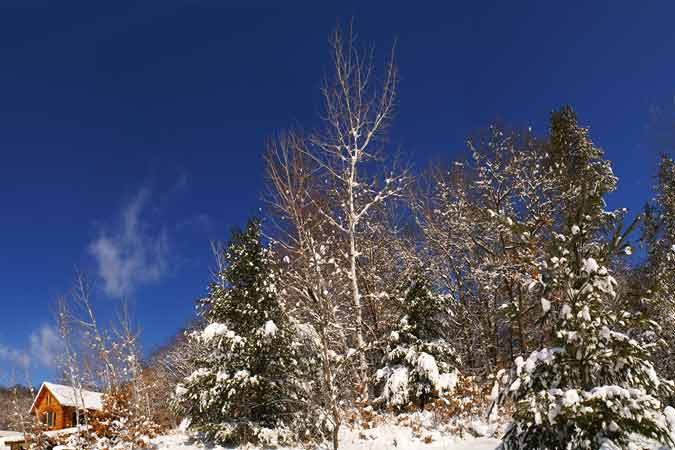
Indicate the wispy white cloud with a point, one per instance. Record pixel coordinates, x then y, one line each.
45 346
14 356
43 349
132 253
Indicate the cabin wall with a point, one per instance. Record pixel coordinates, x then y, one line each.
68 417
47 403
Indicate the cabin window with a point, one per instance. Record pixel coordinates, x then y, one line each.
48 419
47 399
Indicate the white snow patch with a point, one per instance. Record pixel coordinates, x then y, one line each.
384 437
590 266
270 329
396 388
213 330
427 364
585 314
545 305
570 398
448 381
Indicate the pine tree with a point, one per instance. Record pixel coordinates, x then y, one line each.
583 175
662 248
657 275
249 386
419 364
594 385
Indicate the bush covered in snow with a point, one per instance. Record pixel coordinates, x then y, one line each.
419 364
119 425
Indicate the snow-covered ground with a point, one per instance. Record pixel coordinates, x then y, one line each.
383 437
386 437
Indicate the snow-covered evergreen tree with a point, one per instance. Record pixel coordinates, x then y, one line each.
661 241
419 364
595 385
250 384
657 275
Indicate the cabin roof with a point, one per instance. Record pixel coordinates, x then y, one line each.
67 396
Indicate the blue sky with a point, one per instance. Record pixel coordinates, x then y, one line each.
131 134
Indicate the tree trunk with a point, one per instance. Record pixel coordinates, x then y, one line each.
356 294
330 384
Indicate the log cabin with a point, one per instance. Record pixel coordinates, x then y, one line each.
56 405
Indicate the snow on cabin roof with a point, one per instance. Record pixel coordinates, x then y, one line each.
67 396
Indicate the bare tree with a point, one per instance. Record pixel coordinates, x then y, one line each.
484 224
218 252
329 192
70 361
313 281
358 112
128 355
101 368
15 401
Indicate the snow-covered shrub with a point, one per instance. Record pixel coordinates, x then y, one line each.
469 400
419 364
120 425
37 439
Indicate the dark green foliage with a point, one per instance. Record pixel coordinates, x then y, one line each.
583 175
656 277
250 385
419 363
